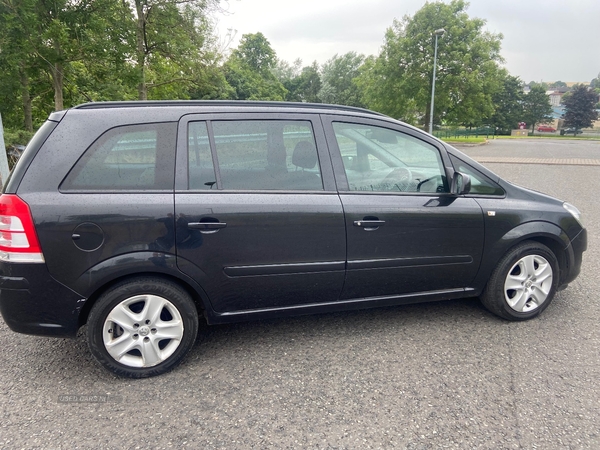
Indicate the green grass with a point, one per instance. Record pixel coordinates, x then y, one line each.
554 136
465 139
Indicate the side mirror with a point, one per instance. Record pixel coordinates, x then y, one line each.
461 183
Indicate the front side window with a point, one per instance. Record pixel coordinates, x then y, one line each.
379 159
134 157
267 154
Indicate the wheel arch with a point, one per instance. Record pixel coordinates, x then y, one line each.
97 280
546 233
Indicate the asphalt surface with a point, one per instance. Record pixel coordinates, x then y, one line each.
428 376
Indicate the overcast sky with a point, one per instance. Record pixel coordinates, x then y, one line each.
544 40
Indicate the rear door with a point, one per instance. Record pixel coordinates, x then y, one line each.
259 223
406 233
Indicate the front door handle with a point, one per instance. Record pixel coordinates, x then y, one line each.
369 224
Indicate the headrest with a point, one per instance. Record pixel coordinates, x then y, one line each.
305 155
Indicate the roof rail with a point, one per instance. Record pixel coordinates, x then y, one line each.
243 103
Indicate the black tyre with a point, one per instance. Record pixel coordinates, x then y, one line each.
524 282
142 327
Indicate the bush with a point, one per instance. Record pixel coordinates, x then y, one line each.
16 137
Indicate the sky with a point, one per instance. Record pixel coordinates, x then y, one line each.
544 40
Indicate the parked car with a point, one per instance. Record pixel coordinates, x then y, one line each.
571 131
546 128
138 218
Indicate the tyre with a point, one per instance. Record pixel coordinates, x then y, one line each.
142 327
524 282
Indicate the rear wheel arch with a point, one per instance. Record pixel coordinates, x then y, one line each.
196 293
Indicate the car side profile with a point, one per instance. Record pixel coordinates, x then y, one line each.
546 128
139 218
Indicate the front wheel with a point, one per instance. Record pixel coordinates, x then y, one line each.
142 327
524 282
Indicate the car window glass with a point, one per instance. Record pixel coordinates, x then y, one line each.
480 184
200 163
267 154
384 160
136 157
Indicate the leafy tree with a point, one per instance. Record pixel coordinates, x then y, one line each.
399 81
249 70
169 38
558 84
508 104
302 84
339 78
580 107
536 106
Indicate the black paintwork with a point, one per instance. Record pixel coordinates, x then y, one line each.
259 254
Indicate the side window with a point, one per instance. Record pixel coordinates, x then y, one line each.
480 184
200 163
384 160
267 154
134 157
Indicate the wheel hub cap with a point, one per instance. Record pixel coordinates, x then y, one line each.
144 331
528 283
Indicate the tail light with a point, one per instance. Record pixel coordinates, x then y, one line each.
18 239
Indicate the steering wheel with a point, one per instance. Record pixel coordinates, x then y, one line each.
401 177
421 183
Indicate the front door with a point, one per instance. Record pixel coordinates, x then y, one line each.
406 233
258 221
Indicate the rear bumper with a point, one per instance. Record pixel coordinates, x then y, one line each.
32 302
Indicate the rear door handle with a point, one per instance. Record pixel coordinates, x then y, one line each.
207 227
369 225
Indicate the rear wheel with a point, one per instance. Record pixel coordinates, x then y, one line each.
524 282
142 327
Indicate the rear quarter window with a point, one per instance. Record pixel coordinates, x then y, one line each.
127 158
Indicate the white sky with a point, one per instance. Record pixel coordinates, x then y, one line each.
544 40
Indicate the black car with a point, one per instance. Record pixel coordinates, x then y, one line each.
136 218
573 131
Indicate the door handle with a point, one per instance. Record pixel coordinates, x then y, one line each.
369 224
207 227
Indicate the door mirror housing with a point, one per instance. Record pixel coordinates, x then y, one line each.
461 183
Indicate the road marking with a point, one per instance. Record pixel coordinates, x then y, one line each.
550 161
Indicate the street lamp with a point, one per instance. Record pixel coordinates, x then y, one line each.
436 33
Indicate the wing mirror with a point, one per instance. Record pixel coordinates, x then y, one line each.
461 183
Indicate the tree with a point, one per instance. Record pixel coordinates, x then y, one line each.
170 37
580 108
558 84
302 83
399 81
339 76
249 70
508 104
536 106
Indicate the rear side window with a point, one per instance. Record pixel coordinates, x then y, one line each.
267 154
133 157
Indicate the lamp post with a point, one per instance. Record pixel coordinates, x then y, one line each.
436 33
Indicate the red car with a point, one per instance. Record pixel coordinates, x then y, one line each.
547 128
